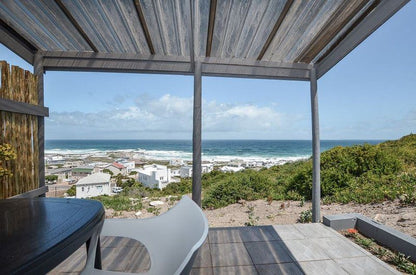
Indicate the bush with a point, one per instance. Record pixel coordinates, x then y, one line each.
119 203
305 216
72 191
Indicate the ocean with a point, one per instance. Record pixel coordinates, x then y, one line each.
215 150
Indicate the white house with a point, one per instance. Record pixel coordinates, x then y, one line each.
154 176
130 165
117 168
207 167
94 185
185 172
226 169
176 162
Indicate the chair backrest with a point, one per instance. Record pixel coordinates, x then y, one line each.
172 239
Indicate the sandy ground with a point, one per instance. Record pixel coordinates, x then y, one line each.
402 218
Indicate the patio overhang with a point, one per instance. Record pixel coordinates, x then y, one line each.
268 39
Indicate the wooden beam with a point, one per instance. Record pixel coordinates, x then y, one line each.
316 150
228 67
110 62
38 68
196 136
144 26
275 28
365 26
16 42
344 14
23 108
76 25
33 193
211 23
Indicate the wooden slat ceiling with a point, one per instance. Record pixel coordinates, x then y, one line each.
289 31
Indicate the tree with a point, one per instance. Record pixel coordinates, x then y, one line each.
108 172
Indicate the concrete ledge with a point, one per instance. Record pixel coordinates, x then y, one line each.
384 235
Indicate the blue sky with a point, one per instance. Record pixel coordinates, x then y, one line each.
370 94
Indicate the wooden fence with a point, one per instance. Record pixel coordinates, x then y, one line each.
19 128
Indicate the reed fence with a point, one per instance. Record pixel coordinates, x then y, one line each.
20 131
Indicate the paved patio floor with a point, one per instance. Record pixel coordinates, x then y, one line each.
279 249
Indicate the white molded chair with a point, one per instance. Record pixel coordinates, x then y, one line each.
172 239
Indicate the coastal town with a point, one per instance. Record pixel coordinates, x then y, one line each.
95 174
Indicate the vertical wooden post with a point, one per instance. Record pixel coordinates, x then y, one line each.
196 136
316 153
39 72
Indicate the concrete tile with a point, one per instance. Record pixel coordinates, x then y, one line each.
305 250
338 248
201 271
314 230
203 257
225 235
233 270
268 252
365 265
325 267
288 232
229 254
258 233
278 269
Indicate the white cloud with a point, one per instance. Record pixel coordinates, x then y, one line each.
168 115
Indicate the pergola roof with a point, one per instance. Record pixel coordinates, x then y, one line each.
241 38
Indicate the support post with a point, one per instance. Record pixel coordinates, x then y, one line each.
39 72
196 136
316 151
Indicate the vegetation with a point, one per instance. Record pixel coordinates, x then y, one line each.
361 174
6 153
399 260
305 216
72 191
119 203
51 177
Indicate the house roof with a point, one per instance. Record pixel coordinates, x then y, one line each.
95 179
82 169
257 39
118 165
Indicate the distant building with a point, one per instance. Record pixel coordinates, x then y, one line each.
93 185
130 165
176 162
117 168
231 168
62 173
185 172
175 172
154 176
81 172
207 167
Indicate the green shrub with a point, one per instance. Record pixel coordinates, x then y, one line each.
119 203
305 216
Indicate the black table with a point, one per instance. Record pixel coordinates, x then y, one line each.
38 234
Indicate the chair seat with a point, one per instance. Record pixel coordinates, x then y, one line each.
172 239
